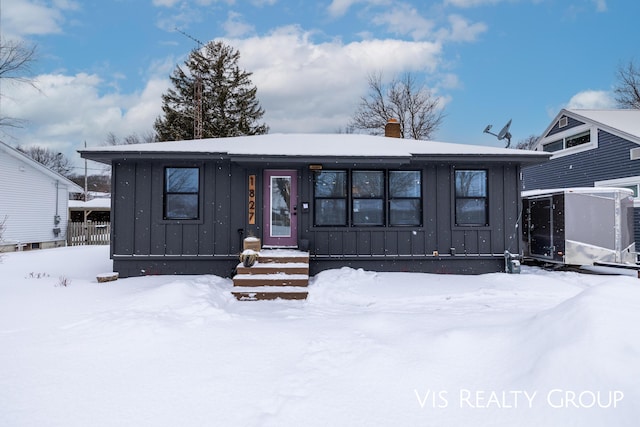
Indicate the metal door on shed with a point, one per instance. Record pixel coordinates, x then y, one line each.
541 227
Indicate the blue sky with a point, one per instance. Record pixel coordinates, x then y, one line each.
103 64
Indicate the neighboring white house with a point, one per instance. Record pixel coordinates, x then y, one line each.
33 203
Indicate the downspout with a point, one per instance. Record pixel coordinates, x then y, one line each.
56 218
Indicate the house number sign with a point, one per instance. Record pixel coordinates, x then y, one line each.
252 199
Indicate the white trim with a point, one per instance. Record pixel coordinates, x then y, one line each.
593 130
621 183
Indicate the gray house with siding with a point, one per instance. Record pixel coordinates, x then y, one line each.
590 148
386 204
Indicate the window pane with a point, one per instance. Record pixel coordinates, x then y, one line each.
580 139
368 212
181 206
331 184
330 212
182 180
280 206
404 184
367 184
471 183
405 212
552 146
471 212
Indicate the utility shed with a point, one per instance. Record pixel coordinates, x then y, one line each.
386 204
579 226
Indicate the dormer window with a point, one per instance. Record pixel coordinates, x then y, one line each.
568 142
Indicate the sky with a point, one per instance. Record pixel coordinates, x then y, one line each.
102 65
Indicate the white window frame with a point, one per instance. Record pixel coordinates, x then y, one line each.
622 183
568 134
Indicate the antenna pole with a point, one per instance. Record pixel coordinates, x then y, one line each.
197 94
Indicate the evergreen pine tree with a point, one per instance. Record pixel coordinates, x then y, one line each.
229 103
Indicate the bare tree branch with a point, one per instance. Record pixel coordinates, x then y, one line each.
627 90
527 143
57 162
413 105
16 58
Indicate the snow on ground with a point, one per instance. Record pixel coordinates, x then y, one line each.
366 349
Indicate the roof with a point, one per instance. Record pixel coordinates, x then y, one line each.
577 190
623 123
72 186
101 203
307 146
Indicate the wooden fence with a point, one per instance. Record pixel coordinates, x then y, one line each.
90 233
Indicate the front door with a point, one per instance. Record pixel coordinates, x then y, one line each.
280 205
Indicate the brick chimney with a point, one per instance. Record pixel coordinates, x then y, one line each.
392 129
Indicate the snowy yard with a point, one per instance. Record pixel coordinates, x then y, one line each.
366 349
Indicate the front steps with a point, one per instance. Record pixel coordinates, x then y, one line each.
278 273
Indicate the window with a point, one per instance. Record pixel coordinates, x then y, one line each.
471 197
375 198
568 142
553 146
367 191
330 190
181 187
405 207
575 140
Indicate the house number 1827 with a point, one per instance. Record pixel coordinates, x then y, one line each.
252 199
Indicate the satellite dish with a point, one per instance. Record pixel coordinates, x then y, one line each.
503 134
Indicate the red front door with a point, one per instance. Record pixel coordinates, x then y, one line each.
280 205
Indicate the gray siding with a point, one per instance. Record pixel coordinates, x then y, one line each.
609 161
439 232
139 229
571 123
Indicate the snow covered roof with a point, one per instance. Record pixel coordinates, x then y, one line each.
101 203
71 186
627 121
624 123
309 145
577 190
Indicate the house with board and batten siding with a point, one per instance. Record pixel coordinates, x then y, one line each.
590 148
373 202
33 202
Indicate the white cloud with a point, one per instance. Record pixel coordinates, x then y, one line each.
235 26
592 99
339 8
66 110
461 30
471 3
601 5
315 87
28 17
304 86
165 3
405 20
